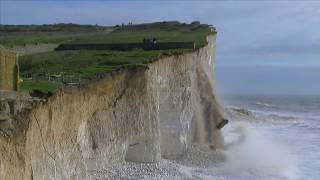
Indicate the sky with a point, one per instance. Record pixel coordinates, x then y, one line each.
251 34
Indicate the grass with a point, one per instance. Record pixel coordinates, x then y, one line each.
197 35
82 65
19 35
85 64
44 86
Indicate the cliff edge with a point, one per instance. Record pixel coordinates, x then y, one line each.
141 115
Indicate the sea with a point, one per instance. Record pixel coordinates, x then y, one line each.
268 137
279 138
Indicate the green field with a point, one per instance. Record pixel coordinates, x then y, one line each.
47 71
85 63
18 35
164 32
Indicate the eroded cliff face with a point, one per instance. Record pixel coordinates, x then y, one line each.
140 115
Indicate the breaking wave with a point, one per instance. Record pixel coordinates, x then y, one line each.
279 141
263 104
250 154
294 119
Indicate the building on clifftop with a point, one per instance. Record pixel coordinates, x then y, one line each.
9 71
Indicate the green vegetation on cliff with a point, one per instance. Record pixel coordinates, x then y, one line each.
47 71
163 31
43 86
18 35
85 63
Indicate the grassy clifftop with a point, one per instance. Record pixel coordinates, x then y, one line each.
163 31
14 35
47 71
17 35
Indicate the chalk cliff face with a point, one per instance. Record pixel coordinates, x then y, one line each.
141 115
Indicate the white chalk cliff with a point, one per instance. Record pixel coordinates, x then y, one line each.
141 115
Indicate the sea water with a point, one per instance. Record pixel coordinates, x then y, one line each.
281 140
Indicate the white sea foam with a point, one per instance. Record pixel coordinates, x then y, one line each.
263 104
250 153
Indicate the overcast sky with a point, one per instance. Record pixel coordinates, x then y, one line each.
250 33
